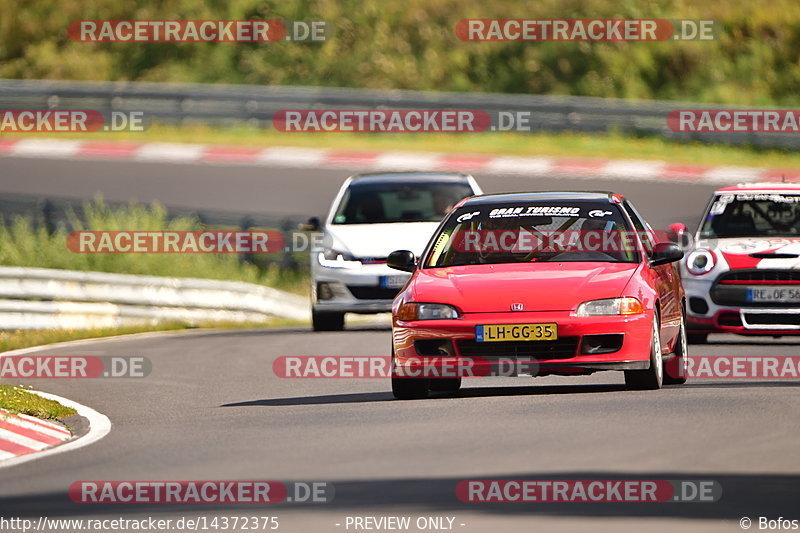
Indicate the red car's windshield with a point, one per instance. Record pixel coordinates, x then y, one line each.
528 232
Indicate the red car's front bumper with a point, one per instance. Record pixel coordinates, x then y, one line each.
624 345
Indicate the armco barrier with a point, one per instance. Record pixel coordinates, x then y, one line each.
229 104
42 298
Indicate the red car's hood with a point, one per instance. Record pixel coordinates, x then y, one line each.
538 286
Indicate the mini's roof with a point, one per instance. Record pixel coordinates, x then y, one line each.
762 187
571 196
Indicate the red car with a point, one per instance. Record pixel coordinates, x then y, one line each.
568 283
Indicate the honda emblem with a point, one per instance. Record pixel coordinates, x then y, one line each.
517 307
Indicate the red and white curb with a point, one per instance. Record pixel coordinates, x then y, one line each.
23 434
281 156
99 427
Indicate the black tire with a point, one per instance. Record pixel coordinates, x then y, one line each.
697 338
445 384
675 371
327 321
653 377
409 388
404 388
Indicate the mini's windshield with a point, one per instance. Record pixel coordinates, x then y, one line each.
530 232
381 203
752 215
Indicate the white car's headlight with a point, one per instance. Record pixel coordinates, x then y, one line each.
700 261
610 306
332 258
424 311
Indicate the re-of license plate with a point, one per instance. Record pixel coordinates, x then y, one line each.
779 295
393 282
516 332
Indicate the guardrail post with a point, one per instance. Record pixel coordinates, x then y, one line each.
287 261
246 257
48 214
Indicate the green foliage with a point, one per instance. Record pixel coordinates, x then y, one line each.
27 243
16 399
412 45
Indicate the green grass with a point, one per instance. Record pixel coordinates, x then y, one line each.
26 243
17 400
614 146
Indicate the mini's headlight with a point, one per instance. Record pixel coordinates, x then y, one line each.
700 261
419 311
610 306
333 258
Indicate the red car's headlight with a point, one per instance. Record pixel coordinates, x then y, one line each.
424 311
610 306
700 261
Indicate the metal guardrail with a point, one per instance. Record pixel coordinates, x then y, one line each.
42 298
230 104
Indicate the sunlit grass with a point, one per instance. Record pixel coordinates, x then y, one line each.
16 399
24 242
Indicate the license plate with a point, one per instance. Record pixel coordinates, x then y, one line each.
393 282
516 332
779 295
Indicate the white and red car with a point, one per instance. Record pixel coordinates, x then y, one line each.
742 272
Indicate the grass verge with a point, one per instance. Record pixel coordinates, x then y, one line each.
26 242
614 146
18 400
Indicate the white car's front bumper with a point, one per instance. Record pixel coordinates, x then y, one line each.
742 319
366 289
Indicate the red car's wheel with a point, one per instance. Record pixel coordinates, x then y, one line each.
678 365
404 388
653 377
446 384
697 338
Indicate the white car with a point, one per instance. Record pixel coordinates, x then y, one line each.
742 273
373 215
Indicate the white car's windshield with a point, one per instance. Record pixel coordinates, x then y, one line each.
380 203
753 215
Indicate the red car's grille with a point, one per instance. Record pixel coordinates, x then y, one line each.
562 348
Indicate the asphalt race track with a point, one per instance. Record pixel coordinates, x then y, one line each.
212 409
293 191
